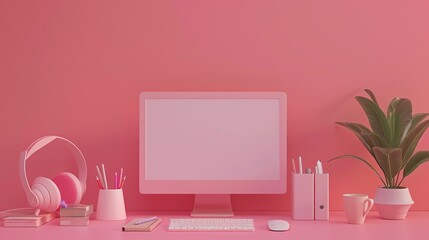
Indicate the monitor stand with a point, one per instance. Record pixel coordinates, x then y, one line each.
212 205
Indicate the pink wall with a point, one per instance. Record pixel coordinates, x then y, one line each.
75 69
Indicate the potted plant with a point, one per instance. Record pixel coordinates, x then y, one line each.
391 140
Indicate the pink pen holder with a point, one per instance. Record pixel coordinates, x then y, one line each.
110 205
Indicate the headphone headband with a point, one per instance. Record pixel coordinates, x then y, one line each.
36 146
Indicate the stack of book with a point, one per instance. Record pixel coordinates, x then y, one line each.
75 215
27 219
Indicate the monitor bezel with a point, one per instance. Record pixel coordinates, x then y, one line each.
214 186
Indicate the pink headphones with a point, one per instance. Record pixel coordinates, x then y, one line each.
46 194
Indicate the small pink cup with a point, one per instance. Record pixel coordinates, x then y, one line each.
357 206
110 205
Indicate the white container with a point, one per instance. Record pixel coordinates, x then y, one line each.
110 205
303 196
393 203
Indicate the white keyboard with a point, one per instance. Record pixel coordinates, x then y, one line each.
211 224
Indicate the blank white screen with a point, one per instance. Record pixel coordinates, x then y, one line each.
212 139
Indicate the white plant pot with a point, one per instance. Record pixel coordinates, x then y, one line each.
393 203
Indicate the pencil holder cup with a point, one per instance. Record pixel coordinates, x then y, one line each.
110 205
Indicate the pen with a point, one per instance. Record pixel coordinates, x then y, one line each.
104 176
293 166
120 178
319 167
100 177
300 164
123 180
116 180
141 221
99 183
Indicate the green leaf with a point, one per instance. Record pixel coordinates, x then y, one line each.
399 114
390 161
371 95
410 141
359 130
362 160
374 141
377 119
417 119
415 161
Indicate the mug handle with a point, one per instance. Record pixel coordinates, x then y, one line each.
369 202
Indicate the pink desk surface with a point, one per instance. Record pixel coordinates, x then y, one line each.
416 226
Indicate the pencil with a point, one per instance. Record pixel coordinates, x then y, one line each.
99 183
293 166
122 184
116 180
104 175
100 177
120 177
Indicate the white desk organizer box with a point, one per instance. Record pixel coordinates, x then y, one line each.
310 196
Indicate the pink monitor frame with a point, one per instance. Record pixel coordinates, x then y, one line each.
162 171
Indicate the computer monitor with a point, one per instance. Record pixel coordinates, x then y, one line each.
212 144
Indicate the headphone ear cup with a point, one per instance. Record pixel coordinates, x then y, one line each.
47 193
69 186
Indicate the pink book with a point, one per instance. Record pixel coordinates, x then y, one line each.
76 210
28 220
74 221
144 227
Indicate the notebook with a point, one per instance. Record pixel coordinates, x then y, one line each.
144 227
28 220
74 221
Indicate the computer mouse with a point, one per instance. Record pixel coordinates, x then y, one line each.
278 225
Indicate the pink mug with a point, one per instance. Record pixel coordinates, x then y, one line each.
357 207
